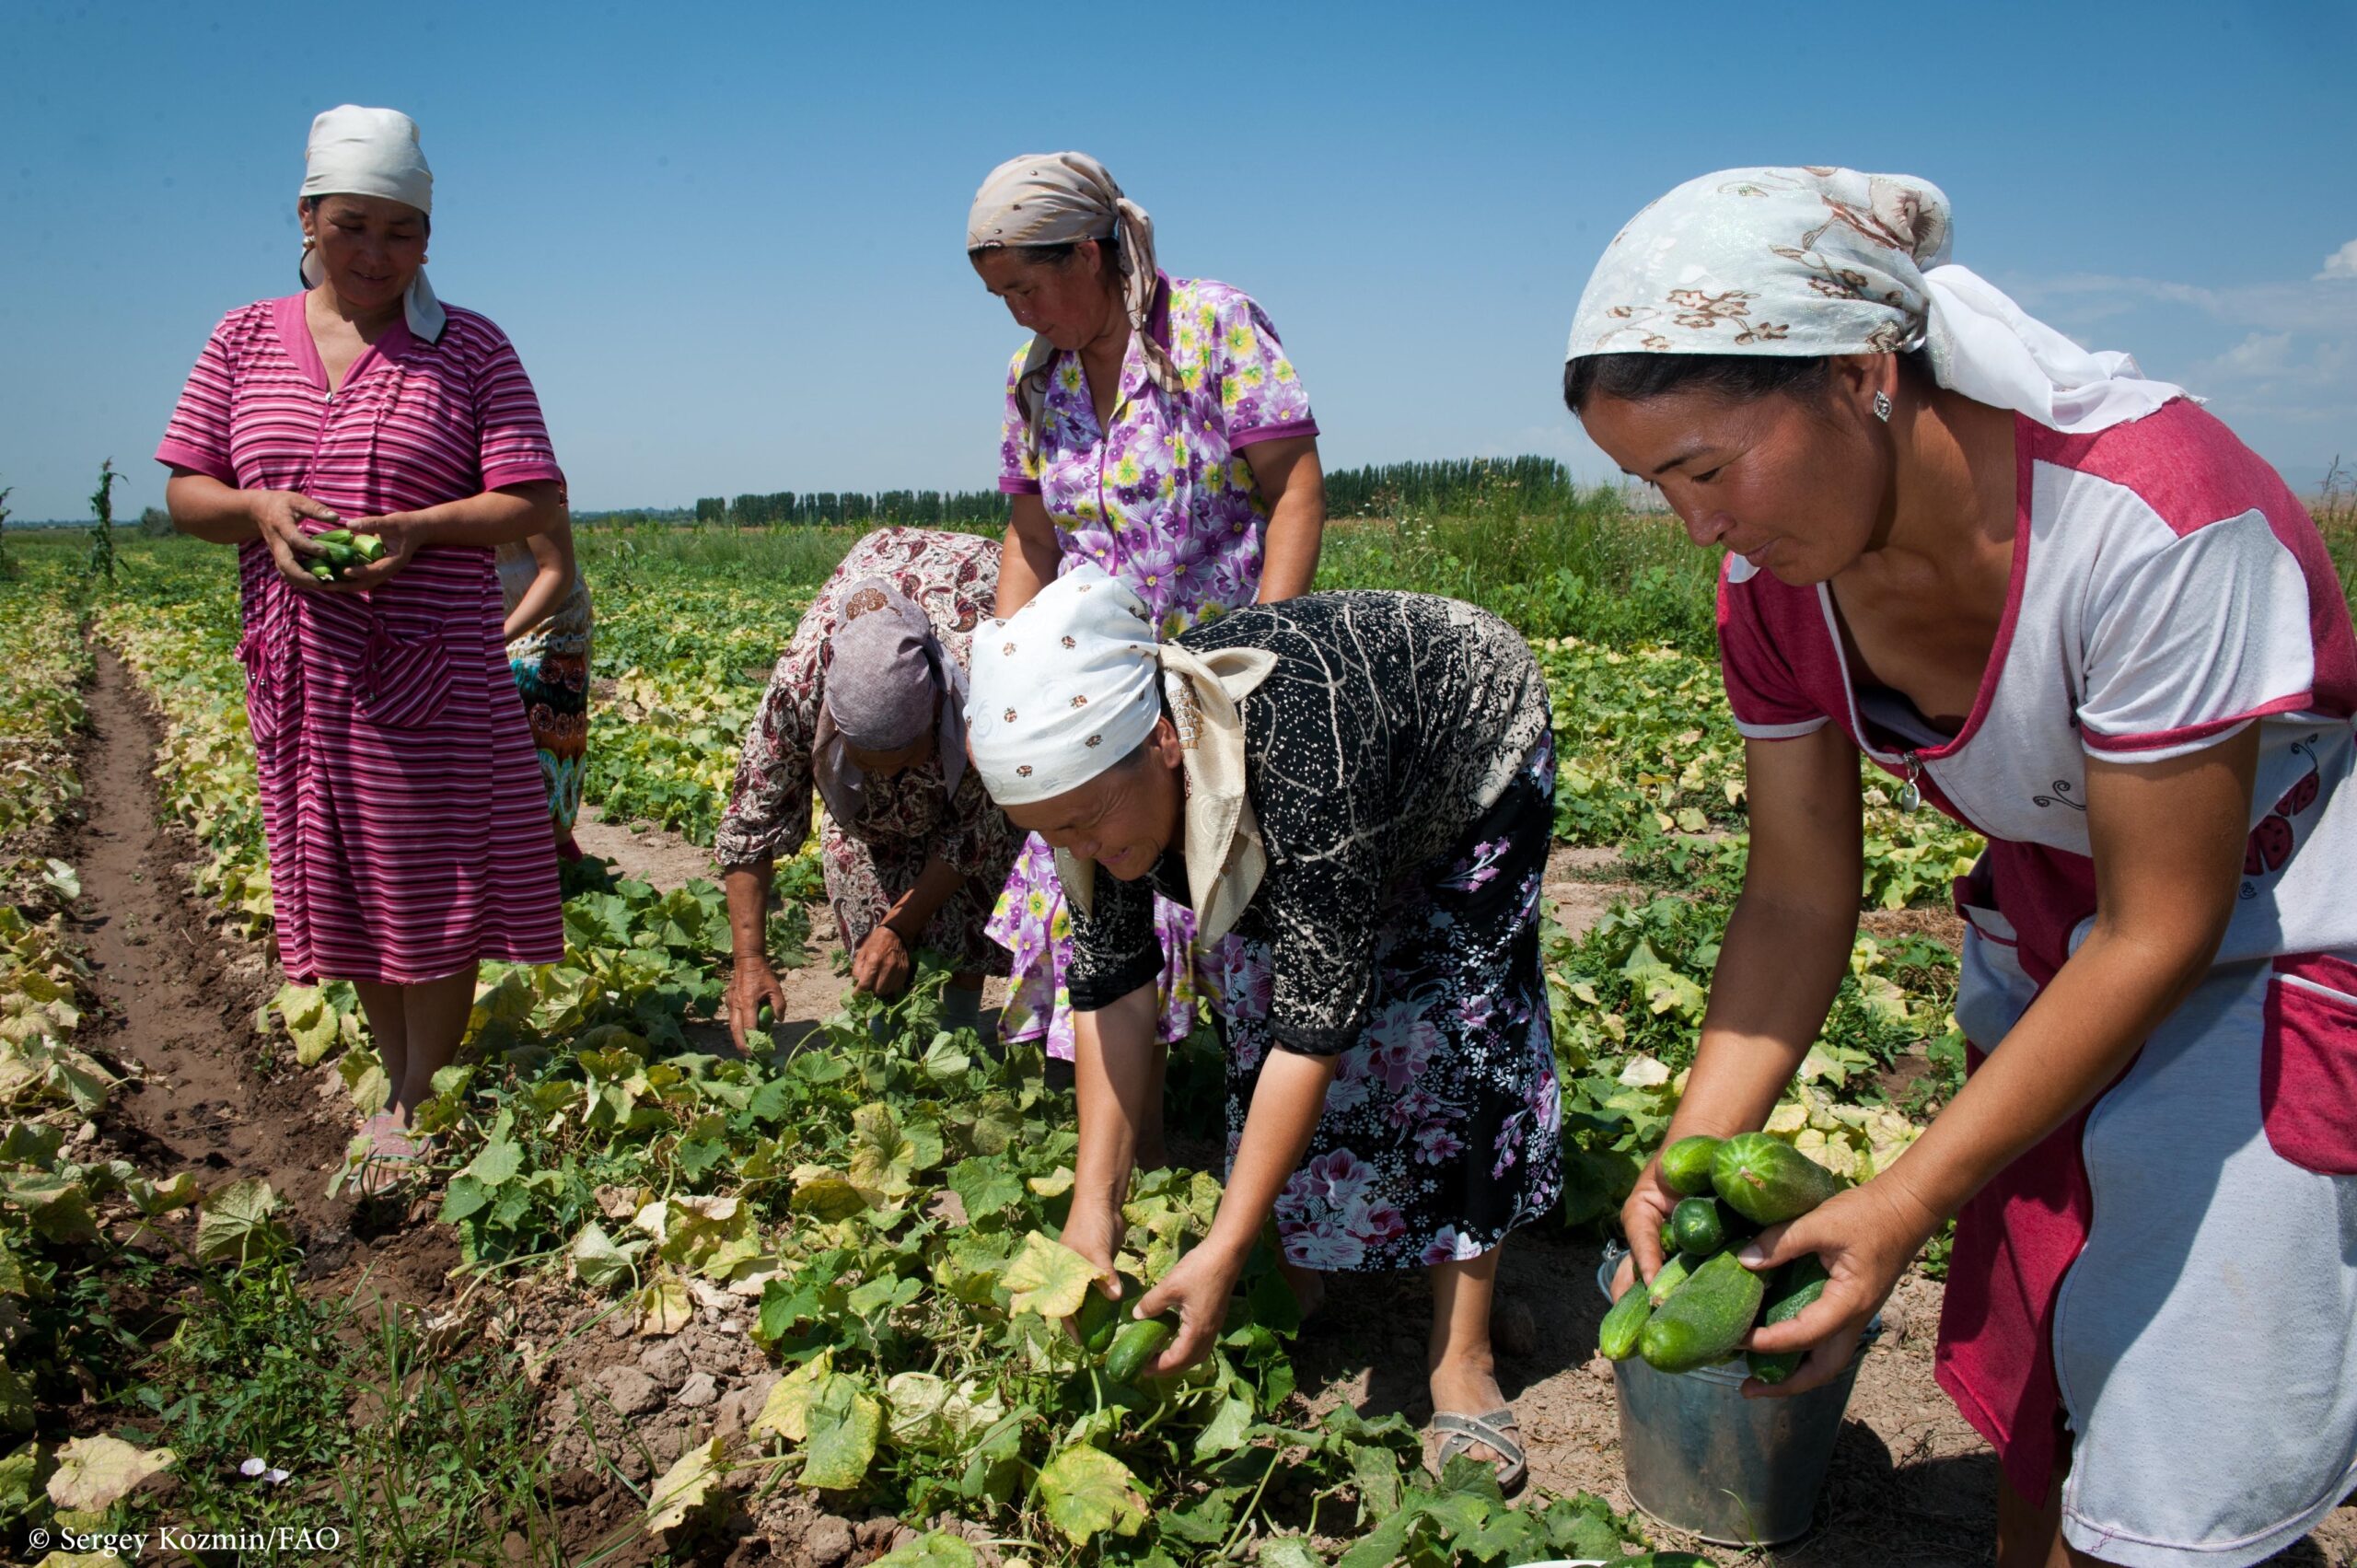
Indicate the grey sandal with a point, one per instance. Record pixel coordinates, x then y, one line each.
1462 1432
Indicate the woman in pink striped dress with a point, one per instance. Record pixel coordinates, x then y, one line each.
408 836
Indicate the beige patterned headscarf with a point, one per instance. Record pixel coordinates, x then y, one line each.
1821 261
1062 198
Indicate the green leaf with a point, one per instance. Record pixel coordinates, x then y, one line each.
1046 1277
1226 1430
1375 1472
234 1223
934 1548
17 1406
58 1206
465 1198
495 1162
986 1185
1088 1491
1289 1551
845 1422
596 1261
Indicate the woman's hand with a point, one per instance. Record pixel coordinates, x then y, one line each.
752 983
1199 1286
1641 1217
1094 1228
403 534
1866 1236
278 518
882 964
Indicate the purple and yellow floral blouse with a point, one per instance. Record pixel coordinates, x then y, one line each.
1165 500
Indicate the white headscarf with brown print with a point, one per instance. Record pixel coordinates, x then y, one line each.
1819 261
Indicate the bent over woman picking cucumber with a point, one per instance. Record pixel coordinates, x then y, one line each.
1352 792
2068 608
408 836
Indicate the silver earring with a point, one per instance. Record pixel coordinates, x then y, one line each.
1882 407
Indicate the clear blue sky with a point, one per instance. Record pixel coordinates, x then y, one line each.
728 238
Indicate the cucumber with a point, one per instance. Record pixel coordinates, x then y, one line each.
1134 1347
1769 1181
1797 1284
1668 1239
371 548
1686 1165
1700 1227
322 571
1703 1322
1096 1322
1673 1275
1617 1336
332 535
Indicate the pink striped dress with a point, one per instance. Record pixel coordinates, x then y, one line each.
401 802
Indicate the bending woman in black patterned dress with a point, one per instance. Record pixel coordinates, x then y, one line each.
1353 792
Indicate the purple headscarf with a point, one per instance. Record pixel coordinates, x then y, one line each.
887 680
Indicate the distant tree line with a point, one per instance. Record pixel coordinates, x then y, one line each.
1534 484
818 508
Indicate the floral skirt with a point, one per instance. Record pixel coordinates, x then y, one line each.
556 690
1442 1126
1031 924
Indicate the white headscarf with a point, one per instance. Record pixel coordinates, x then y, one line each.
373 152
1067 686
1812 261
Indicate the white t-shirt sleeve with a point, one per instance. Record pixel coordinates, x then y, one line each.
2189 637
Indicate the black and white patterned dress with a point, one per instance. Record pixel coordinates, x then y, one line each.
1403 769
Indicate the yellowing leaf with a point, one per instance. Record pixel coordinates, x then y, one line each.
663 1308
94 1473
1046 1277
1088 1491
826 1194
685 1486
786 1409
234 1223
845 1422
1645 1073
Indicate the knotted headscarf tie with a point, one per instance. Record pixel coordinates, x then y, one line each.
1072 683
1062 199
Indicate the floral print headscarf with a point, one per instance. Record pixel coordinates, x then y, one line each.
1816 262
1062 198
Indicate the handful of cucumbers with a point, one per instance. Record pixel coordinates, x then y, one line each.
343 552
1126 1346
1703 1300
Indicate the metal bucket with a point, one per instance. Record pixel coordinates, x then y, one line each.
1701 1458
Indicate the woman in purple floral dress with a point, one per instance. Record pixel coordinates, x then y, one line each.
1156 427
863 708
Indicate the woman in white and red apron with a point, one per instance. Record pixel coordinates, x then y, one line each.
2067 607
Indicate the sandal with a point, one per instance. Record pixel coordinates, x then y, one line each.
393 1155
1462 1432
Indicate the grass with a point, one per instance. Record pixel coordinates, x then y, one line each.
406 1446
